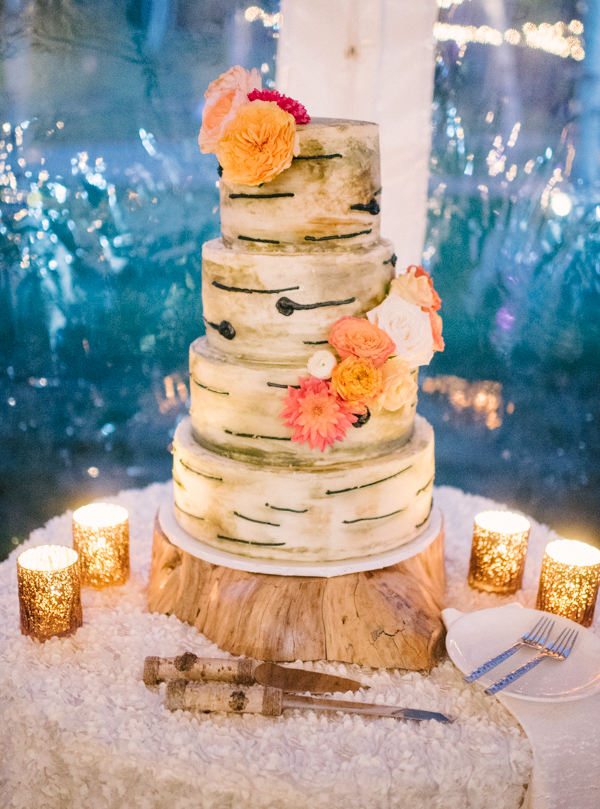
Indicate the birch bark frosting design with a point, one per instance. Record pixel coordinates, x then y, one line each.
303 440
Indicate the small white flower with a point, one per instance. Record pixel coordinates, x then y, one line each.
321 364
408 326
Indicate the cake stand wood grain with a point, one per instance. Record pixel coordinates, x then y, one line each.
388 618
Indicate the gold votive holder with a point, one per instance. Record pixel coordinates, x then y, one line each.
498 551
49 582
101 538
569 580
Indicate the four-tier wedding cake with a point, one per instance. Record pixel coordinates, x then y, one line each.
303 442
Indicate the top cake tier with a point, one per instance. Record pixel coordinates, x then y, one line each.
327 200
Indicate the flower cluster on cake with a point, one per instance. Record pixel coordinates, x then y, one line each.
377 358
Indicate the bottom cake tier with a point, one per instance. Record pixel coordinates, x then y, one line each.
345 511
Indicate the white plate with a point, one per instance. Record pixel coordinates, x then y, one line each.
478 636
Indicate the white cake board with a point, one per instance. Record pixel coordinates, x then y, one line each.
274 567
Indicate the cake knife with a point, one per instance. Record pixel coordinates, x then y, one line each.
243 672
258 699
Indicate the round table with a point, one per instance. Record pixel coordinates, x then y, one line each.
80 729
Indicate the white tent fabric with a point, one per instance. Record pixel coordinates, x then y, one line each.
370 60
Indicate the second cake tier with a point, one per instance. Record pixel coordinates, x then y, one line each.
236 410
346 511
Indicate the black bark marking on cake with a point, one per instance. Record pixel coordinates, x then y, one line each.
249 435
224 328
371 207
285 387
366 485
261 196
250 291
427 517
426 486
362 418
329 238
250 542
179 483
185 662
317 156
293 510
211 390
392 260
377 193
381 517
287 307
260 522
252 239
187 514
315 342
195 471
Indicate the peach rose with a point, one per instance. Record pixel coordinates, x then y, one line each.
412 289
416 287
399 385
357 381
258 145
421 273
356 337
436 330
224 97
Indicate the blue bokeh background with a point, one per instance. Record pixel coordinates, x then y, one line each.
106 201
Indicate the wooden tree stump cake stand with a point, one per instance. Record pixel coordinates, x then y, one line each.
386 618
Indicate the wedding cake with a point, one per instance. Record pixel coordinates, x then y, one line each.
303 441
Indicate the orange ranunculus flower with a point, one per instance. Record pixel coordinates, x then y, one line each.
357 381
399 385
224 97
357 337
258 145
436 330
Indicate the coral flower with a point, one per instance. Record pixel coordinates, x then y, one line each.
316 414
258 145
357 337
419 272
357 380
436 330
224 97
286 103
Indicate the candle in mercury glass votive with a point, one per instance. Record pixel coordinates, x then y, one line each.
101 537
498 551
569 580
49 582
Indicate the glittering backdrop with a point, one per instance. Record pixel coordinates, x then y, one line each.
105 203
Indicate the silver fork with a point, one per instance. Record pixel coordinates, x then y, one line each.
535 638
559 650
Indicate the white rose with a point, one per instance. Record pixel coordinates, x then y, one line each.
408 326
321 364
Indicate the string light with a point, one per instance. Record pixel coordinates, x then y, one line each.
545 37
254 13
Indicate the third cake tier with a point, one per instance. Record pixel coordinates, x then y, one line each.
236 410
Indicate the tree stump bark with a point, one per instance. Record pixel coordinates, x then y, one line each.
388 618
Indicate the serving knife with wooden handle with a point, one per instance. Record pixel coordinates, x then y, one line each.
258 699
243 672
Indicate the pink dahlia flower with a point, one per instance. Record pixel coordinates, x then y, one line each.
316 413
286 103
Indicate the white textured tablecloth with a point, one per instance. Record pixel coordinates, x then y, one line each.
79 729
